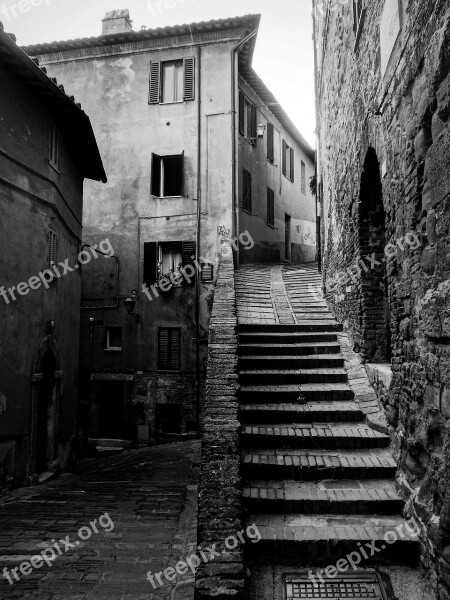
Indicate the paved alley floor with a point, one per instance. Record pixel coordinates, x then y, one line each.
137 512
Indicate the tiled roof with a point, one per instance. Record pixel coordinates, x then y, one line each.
63 107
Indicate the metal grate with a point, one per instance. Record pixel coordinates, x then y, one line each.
358 586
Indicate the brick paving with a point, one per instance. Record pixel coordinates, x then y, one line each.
151 497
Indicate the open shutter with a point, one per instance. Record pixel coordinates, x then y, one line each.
292 158
189 251
156 175
51 248
189 79
154 96
283 157
150 263
163 349
254 128
182 174
241 113
270 142
175 350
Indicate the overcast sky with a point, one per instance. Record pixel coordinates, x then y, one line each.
284 51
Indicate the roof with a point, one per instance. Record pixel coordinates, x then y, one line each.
67 113
248 22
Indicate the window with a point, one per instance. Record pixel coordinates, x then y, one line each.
303 178
169 349
247 191
167 175
51 247
207 273
113 338
359 12
270 143
172 81
288 160
161 258
53 150
270 207
247 119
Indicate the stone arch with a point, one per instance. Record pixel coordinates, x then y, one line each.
374 314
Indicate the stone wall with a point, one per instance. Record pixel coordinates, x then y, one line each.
220 484
394 118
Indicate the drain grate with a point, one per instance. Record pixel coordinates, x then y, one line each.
355 586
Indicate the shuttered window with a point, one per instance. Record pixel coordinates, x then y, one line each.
246 191
167 254
242 118
167 175
283 157
150 263
248 116
172 81
270 143
292 162
303 178
288 161
53 149
270 207
169 349
207 272
51 248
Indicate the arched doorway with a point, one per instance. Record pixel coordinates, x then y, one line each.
374 318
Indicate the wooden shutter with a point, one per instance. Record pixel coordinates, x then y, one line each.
247 191
154 96
189 251
169 349
292 158
175 350
254 125
156 175
163 349
270 142
270 207
241 113
51 248
189 79
150 263
283 157
303 177
182 174
207 272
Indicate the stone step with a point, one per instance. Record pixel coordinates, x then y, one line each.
289 349
288 328
346 497
307 435
308 361
329 392
326 538
312 412
307 465
285 377
286 338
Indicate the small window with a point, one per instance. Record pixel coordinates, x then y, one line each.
247 191
162 258
169 349
270 143
51 248
270 207
207 273
172 81
167 175
288 160
303 178
247 119
113 338
53 150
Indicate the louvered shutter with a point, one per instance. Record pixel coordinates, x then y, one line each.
156 175
51 248
254 126
169 349
182 173
189 251
241 113
292 158
283 158
247 188
163 349
270 142
150 266
175 350
189 79
155 82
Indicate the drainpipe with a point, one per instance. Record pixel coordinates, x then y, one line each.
199 218
235 204
318 186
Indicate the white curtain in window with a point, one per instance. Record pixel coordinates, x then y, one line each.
170 256
173 82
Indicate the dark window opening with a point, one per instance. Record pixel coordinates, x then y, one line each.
167 175
270 143
270 207
247 191
303 178
53 152
113 339
168 418
163 258
169 349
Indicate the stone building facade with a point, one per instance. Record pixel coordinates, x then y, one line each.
166 103
47 148
383 101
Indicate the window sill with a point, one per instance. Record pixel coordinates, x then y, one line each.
286 177
271 226
173 102
53 166
113 349
249 212
169 197
168 370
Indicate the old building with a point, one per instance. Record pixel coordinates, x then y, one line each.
47 149
383 100
197 150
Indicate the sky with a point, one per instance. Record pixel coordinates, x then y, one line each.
284 56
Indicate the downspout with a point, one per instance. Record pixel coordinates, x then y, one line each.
318 187
234 176
198 253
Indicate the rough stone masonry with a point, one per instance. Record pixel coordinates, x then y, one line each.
383 92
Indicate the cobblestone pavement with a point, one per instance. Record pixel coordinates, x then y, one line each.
151 497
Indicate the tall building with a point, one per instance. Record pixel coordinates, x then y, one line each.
197 149
383 102
47 149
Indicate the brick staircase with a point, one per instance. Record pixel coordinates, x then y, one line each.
318 480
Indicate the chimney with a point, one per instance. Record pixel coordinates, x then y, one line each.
117 21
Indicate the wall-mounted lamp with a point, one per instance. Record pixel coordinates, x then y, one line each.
130 305
260 130
51 326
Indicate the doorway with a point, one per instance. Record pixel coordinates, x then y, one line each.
287 238
112 418
45 427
